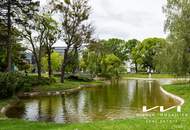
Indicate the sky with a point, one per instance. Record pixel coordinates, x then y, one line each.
127 19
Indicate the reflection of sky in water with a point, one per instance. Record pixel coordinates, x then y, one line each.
119 100
32 110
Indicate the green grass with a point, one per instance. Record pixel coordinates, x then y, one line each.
67 85
145 75
183 123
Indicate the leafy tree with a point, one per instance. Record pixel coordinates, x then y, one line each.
75 28
112 65
133 52
116 46
18 57
52 34
3 35
99 59
34 34
11 12
178 27
56 60
147 51
131 44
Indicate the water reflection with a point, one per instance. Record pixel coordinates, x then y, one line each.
121 99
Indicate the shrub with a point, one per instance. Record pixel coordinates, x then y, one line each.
79 78
10 83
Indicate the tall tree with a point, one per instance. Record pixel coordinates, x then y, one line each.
52 34
133 52
117 47
147 51
75 27
34 33
10 16
178 27
56 60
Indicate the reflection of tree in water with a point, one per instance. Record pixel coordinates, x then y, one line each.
16 110
120 99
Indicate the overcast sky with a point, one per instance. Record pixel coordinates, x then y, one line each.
127 19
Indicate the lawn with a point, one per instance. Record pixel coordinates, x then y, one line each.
157 122
67 85
146 75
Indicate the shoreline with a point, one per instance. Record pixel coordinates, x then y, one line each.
177 98
33 94
55 93
77 89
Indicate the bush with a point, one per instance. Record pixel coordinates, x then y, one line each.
79 78
10 83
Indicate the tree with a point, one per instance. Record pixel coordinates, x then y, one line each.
34 33
133 52
100 59
10 16
112 65
118 47
3 35
18 57
75 27
178 27
147 51
52 34
56 60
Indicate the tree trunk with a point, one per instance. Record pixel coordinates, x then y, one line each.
49 64
136 67
64 65
39 70
38 64
76 64
9 47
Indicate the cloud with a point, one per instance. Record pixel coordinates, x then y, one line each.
128 18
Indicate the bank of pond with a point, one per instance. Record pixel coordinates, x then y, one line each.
119 100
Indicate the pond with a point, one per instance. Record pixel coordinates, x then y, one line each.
120 100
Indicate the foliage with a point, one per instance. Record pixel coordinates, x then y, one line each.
34 32
76 29
178 26
18 57
80 78
133 52
56 61
116 46
104 58
145 53
26 83
3 35
10 83
11 16
111 66
52 34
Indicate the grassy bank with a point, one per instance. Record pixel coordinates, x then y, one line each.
67 85
145 75
156 122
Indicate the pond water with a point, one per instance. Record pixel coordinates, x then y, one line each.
121 99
